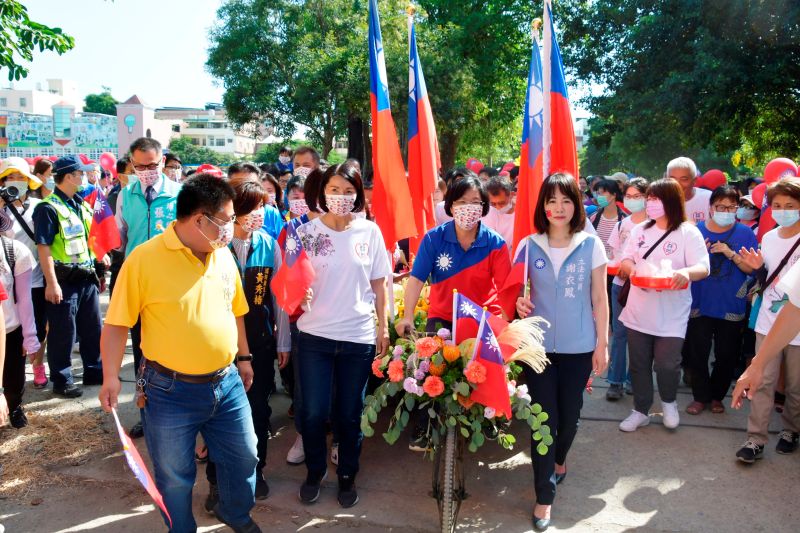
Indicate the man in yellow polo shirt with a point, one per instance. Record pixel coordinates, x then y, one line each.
185 286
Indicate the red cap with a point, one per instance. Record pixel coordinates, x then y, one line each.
210 169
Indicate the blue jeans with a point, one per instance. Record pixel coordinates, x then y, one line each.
324 364
77 316
173 415
618 368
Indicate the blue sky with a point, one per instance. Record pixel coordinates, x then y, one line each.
156 49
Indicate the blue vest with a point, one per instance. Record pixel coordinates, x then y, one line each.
564 299
145 222
259 322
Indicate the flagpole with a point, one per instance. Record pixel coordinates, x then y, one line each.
547 86
526 291
480 336
455 315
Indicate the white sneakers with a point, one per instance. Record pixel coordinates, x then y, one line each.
297 454
634 421
671 417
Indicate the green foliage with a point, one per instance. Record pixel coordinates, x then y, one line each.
20 37
101 103
268 153
192 154
686 77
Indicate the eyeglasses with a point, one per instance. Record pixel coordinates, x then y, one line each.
719 208
171 167
140 168
224 222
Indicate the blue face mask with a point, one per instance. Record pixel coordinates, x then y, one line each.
50 183
635 205
723 219
745 213
602 201
786 217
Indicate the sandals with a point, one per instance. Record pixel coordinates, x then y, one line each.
201 456
695 408
717 407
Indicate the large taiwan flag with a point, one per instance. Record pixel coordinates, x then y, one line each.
531 174
423 148
103 234
391 199
296 274
493 392
560 152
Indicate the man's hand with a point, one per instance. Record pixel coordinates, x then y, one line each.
404 326
746 385
53 294
109 393
283 359
246 373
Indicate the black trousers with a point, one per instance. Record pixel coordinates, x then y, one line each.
14 369
559 390
258 397
727 337
136 343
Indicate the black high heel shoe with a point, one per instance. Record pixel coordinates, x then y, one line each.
560 478
540 524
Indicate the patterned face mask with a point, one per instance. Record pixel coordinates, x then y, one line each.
148 178
224 236
252 221
467 216
340 204
298 207
302 171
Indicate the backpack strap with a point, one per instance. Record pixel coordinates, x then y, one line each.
11 259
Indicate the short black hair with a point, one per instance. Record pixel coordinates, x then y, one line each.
565 183
498 185
296 182
268 168
349 172
489 171
122 164
723 192
460 188
456 173
145 144
171 157
608 185
205 193
249 168
285 150
307 150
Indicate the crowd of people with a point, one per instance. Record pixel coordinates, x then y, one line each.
192 284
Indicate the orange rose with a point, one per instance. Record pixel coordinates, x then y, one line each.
433 386
475 372
376 368
426 347
396 370
451 353
437 370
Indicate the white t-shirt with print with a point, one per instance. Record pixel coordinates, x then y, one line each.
345 262
23 262
697 208
790 284
773 249
664 313
18 233
617 240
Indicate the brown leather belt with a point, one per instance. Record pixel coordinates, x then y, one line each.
189 378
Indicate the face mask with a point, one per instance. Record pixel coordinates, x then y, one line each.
223 237
505 209
148 178
655 209
22 186
723 219
746 213
298 207
786 217
253 221
340 204
50 183
602 201
271 198
284 159
634 205
302 171
467 216
173 174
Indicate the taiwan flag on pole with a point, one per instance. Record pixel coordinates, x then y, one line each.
467 317
560 152
423 148
493 392
391 198
103 234
531 152
139 469
295 275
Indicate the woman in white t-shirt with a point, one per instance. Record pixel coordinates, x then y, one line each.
784 199
337 337
656 321
618 374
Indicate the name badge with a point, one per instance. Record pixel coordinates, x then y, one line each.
75 230
75 247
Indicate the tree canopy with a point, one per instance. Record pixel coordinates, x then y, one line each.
191 154
20 37
101 103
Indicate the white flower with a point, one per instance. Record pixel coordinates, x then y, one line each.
488 412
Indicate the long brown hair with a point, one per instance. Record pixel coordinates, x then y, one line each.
670 193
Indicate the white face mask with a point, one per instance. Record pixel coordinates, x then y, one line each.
284 159
505 209
224 236
22 186
252 221
340 204
302 171
298 207
467 216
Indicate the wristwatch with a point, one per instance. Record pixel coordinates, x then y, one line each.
244 357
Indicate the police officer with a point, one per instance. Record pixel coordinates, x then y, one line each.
62 222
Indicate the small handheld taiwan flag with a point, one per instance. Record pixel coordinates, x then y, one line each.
295 275
104 234
493 392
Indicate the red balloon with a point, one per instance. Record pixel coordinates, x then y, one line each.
765 222
84 158
53 158
758 193
29 160
109 162
37 158
778 168
508 166
712 179
474 165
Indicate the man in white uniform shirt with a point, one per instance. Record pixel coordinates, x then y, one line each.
501 213
684 171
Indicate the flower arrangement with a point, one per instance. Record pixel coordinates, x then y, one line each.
433 374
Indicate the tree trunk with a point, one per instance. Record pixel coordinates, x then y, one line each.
367 141
447 150
355 139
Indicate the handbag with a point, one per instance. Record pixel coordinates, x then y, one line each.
622 298
756 307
